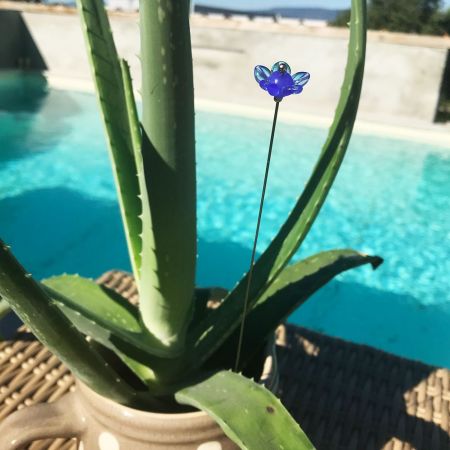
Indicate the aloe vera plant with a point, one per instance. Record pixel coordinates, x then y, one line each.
171 342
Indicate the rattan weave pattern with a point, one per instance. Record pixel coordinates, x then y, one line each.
346 396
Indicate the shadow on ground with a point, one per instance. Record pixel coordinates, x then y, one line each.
394 322
353 396
348 396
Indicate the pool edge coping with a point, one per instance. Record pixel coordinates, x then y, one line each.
427 136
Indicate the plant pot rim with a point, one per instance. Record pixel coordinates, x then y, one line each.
110 408
154 427
126 411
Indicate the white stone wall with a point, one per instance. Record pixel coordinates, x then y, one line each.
123 5
401 82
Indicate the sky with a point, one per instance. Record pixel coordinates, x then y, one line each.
262 4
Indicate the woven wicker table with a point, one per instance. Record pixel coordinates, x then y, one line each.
346 396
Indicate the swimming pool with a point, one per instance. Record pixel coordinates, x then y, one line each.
59 212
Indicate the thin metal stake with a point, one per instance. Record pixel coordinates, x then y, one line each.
261 204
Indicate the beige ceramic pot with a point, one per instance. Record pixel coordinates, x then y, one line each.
101 424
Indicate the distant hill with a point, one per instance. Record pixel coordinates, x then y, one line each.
307 13
295 13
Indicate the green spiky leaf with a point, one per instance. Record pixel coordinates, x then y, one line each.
166 284
211 332
107 74
131 355
131 109
293 287
165 219
51 327
248 413
103 312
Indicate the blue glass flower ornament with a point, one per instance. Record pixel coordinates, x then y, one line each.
279 82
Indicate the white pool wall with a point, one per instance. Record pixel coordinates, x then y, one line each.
401 85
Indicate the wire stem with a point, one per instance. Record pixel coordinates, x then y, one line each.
255 242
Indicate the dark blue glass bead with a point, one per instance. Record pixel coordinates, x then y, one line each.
279 83
281 66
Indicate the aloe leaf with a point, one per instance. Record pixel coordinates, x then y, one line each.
109 314
167 276
293 287
158 207
207 336
107 74
51 327
148 256
131 109
150 277
135 358
109 319
248 413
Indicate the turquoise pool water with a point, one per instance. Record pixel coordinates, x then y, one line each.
58 210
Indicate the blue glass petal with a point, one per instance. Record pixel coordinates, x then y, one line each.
296 89
301 78
261 73
276 66
264 84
